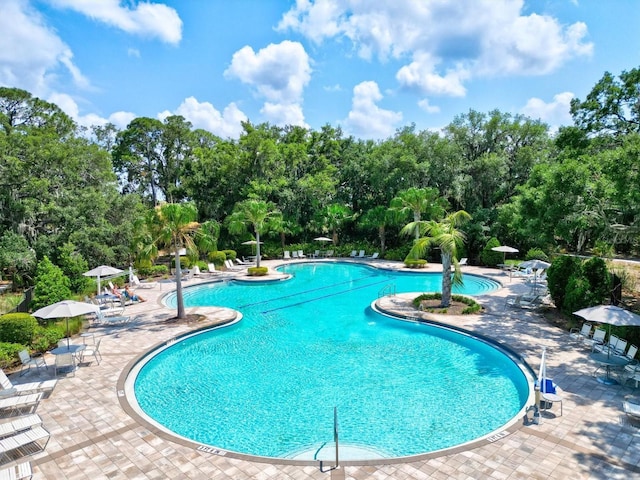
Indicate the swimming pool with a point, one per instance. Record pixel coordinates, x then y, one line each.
267 386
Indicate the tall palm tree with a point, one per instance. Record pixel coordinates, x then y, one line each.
379 218
421 203
172 225
257 213
445 235
334 216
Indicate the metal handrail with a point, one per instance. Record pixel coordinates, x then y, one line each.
388 289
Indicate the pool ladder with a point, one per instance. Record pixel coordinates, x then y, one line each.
388 289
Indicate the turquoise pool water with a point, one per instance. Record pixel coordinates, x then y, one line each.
267 385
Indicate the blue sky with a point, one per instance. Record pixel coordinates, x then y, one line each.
370 67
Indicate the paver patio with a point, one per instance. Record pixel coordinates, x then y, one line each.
93 438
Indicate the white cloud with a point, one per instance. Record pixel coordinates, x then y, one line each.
284 114
69 106
31 53
427 107
554 113
278 72
148 19
368 120
449 42
205 116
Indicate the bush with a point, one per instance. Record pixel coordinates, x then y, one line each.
217 258
536 254
47 337
257 271
144 268
229 254
561 270
17 328
159 270
51 285
595 272
9 354
472 308
185 262
490 257
415 263
399 253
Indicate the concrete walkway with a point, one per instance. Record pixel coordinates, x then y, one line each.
93 438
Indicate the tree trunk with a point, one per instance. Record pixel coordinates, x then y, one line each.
257 249
383 237
179 299
446 279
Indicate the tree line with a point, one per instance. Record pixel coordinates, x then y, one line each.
66 189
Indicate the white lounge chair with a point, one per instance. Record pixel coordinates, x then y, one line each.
243 263
138 284
523 301
582 333
353 253
28 361
462 262
104 319
301 254
19 403
230 266
295 255
21 471
211 269
24 422
374 256
361 254
316 254
9 388
631 407
24 438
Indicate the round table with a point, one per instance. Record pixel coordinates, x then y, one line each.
608 361
72 348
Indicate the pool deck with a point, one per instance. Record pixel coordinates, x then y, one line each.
93 438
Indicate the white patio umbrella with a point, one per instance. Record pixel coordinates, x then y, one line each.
505 249
611 315
102 271
322 239
66 309
535 265
251 242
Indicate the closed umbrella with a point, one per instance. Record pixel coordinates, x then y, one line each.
66 309
102 271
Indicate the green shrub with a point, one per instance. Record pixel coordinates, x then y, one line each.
489 257
577 294
159 270
596 273
399 253
561 270
144 268
217 258
185 262
415 263
9 354
473 306
47 337
202 265
51 285
17 328
229 254
536 254
257 271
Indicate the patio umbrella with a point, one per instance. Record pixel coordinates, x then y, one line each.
102 271
535 265
66 309
610 315
322 239
505 249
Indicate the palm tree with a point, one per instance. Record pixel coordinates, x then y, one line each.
378 218
419 201
445 235
172 225
334 216
257 213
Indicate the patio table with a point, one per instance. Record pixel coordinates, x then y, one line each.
608 361
72 348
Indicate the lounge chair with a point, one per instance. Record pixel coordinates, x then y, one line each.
301 254
230 266
353 253
92 350
361 254
21 471
9 388
295 255
549 393
24 422
138 284
523 301
582 333
316 254
65 362
19 403
631 407
287 255
242 262
24 438
28 361
597 339
462 262
328 253
211 269
374 256
104 319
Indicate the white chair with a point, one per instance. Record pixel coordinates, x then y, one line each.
361 254
549 393
582 333
24 422
596 339
301 254
93 350
9 388
211 269
295 255
19 403
608 347
353 253
21 471
287 255
462 262
28 361
374 256
138 284
27 437
631 408
65 361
